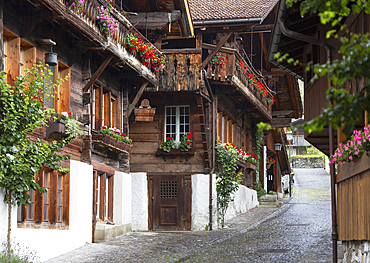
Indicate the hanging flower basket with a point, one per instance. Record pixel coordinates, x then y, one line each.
56 130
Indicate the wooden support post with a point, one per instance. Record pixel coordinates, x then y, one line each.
218 47
97 73
136 99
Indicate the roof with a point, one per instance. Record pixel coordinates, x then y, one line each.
230 9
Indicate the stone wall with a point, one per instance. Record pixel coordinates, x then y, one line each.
356 251
313 162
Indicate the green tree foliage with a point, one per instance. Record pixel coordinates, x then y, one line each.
344 109
23 109
227 180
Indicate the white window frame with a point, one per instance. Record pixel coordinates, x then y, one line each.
177 130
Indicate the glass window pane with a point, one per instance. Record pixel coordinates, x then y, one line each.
59 213
187 110
60 180
59 198
30 211
45 214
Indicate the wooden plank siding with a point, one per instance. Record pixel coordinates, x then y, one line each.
353 184
147 136
181 72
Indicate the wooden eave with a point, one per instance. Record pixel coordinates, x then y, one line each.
183 27
95 37
280 137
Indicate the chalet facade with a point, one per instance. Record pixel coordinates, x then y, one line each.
91 201
307 42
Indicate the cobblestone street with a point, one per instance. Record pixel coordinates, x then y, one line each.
299 231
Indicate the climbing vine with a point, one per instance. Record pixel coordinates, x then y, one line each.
227 178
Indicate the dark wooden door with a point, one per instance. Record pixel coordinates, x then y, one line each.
270 182
170 202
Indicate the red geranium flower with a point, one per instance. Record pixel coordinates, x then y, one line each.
188 142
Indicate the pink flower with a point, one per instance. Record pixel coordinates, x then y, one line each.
64 113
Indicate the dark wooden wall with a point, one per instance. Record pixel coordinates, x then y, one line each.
353 197
147 136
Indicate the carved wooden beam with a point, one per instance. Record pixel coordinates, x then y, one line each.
218 47
97 73
265 52
291 91
136 99
153 6
281 122
281 113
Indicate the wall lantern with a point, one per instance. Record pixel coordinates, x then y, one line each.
278 147
51 58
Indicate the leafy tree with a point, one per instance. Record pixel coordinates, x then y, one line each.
353 63
23 109
227 180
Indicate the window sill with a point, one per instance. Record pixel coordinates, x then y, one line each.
175 152
42 226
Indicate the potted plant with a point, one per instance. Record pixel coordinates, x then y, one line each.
172 147
75 3
62 126
105 21
269 161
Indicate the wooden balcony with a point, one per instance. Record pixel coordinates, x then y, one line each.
84 19
182 73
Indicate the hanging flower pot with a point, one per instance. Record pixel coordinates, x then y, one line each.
51 59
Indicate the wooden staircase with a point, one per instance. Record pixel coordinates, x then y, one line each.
204 121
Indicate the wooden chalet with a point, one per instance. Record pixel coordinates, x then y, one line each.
307 42
88 203
212 101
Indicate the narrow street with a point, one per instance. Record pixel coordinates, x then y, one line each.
299 231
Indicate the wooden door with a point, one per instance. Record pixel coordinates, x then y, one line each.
270 182
169 202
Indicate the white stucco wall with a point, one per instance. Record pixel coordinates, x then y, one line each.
264 149
326 164
122 198
49 243
139 202
200 201
244 199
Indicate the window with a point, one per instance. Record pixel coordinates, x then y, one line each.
61 101
105 110
177 121
49 208
5 52
103 196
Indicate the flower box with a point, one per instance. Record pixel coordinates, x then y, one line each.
112 143
56 130
175 152
246 165
144 114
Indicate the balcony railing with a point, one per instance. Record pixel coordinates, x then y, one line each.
182 74
237 67
116 42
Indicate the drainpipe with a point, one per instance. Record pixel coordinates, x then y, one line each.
312 40
213 148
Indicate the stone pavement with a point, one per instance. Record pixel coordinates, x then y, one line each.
163 246
299 231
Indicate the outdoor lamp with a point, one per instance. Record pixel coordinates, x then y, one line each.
278 146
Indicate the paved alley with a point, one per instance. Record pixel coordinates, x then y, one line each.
299 231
